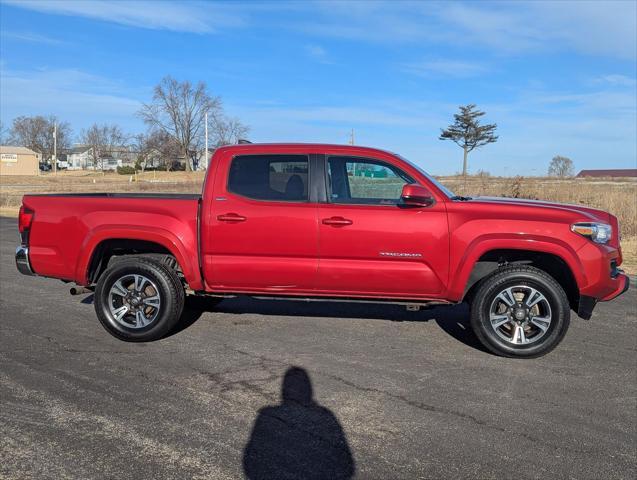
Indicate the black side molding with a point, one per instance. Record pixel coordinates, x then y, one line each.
166 196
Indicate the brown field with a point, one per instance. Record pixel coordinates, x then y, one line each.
618 196
615 195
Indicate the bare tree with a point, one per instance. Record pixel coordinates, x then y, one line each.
144 150
178 108
156 146
227 131
103 141
37 133
4 133
467 132
561 167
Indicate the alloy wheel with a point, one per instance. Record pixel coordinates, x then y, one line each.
520 315
134 301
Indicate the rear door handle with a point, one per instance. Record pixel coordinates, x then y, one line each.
337 221
231 217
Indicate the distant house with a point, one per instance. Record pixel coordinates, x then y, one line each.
123 156
80 157
618 172
18 161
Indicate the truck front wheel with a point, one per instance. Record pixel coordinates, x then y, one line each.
520 311
138 299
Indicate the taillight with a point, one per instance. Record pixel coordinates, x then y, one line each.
25 217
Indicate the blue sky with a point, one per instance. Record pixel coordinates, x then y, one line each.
557 77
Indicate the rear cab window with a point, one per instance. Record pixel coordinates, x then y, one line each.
283 178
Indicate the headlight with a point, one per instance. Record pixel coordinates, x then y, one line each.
597 232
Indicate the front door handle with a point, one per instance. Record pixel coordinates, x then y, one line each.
337 221
231 217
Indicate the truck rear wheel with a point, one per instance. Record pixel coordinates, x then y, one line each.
520 311
138 299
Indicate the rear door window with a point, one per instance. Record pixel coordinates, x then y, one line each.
270 177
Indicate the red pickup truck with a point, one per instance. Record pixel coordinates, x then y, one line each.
328 222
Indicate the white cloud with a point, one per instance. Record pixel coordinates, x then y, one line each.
445 68
606 28
72 95
182 16
31 37
616 80
501 28
318 53
593 105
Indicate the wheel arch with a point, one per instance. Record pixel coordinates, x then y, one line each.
110 249
103 244
475 260
554 265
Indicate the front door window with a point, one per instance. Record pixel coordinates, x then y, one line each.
364 182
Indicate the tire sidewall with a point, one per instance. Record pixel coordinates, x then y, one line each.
560 314
159 275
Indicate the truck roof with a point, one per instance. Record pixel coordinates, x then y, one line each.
273 147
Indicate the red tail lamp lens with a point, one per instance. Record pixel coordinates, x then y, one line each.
25 217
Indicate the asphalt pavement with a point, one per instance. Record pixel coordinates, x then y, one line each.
274 389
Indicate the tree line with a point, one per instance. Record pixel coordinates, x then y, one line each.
175 120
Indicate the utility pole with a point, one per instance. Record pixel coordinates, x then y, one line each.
206 130
351 137
55 148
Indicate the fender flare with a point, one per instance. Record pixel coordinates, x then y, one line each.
158 235
490 242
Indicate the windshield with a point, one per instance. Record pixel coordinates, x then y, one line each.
444 189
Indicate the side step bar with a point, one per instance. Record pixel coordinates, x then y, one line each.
410 305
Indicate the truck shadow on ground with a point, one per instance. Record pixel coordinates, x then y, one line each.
453 320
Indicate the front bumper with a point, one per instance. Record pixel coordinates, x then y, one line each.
22 261
622 285
587 303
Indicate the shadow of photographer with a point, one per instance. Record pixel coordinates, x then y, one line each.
298 438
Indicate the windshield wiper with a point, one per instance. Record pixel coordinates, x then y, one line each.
461 198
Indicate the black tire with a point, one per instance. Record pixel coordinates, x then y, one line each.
168 288
492 298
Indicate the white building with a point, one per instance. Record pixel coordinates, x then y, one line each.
80 157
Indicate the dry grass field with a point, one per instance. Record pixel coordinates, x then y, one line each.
618 196
615 195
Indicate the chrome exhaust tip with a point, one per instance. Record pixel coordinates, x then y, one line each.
77 290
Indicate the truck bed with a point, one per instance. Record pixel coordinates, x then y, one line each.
68 227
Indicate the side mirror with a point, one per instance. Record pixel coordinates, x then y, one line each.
416 196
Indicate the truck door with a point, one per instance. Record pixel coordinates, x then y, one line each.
262 230
371 245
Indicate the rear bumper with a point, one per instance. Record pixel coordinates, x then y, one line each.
22 261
